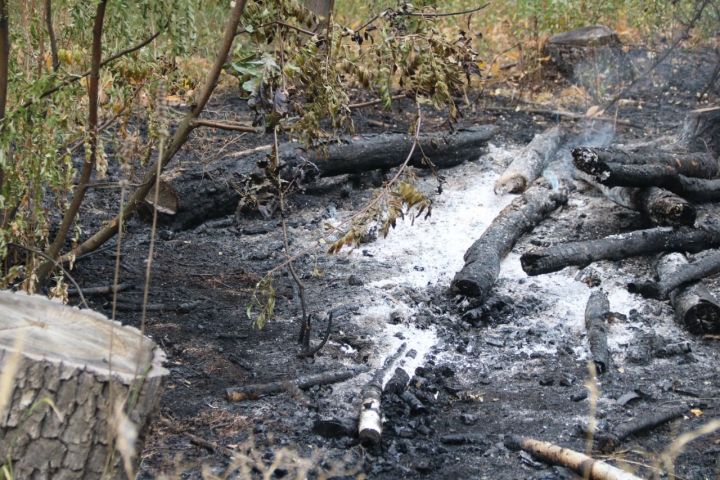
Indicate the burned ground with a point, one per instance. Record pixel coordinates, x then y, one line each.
517 365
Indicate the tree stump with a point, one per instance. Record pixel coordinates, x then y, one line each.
590 56
61 388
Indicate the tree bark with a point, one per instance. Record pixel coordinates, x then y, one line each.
208 192
695 306
688 273
530 163
66 363
596 314
482 260
618 247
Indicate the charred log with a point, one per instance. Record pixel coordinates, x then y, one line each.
55 359
695 306
482 260
649 175
530 163
596 314
684 274
212 191
649 421
594 160
618 247
253 391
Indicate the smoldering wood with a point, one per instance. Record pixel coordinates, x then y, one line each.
701 129
684 274
618 247
530 162
212 191
254 391
650 175
578 462
696 308
596 313
370 422
63 358
659 206
692 164
645 422
482 260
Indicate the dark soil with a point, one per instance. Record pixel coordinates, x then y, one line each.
485 379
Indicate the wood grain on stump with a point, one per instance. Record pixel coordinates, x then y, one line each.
59 420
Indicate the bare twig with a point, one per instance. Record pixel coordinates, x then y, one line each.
57 264
442 14
370 103
236 127
77 78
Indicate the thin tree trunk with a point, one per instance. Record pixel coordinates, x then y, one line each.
51 35
4 66
179 138
89 164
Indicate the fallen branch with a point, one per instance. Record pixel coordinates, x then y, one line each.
695 306
579 463
530 162
688 273
400 379
103 290
253 391
370 424
482 260
618 247
652 419
184 307
596 314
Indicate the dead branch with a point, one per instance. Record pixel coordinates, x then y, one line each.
691 272
253 391
530 163
578 462
182 133
103 290
648 421
618 247
232 126
695 306
596 314
482 260
370 424
443 14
